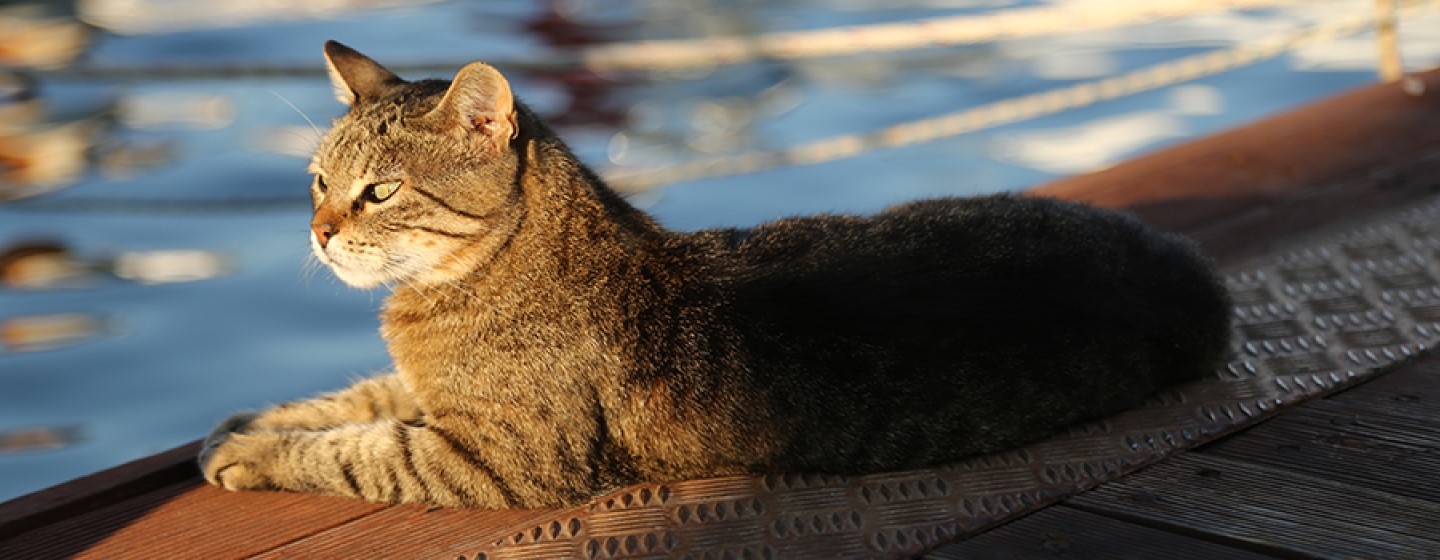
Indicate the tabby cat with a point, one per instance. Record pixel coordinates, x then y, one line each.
551 342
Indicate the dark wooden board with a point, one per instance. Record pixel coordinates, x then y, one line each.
1360 447
1062 532
1270 509
1413 392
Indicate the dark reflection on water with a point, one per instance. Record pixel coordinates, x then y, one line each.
153 204
38 265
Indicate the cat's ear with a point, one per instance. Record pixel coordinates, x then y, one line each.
354 75
479 102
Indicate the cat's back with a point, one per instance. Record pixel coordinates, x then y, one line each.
958 307
996 255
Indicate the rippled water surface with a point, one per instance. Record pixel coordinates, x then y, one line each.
153 204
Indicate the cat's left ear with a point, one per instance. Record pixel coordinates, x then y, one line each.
479 102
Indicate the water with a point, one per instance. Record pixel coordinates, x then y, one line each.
141 360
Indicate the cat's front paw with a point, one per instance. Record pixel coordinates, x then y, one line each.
232 462
222 457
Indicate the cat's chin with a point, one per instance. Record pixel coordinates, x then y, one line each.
360 279
354 277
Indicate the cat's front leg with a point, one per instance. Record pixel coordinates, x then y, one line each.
368 400
386 461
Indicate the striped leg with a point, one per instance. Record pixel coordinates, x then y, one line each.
385 461
377 398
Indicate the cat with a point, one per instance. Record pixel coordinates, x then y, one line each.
552 342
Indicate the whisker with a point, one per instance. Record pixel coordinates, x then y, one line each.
302 114
310 268
398 270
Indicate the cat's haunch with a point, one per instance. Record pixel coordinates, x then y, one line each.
552 342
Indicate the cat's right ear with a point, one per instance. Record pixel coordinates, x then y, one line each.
355 76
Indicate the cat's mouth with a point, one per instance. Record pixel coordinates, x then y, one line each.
359 270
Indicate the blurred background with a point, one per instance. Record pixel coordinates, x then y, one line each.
154 207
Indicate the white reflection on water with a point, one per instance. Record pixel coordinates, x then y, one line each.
169 267
163 110
1421 43
1106 141
130 17
1088 147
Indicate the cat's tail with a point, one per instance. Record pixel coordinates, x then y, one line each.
1194 340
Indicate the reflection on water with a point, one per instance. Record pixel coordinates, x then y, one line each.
28 440
36 333
1105 141
40 265
36 36
46 265
159 16
39 159
167 267
175 110
153 200
40 152
19 103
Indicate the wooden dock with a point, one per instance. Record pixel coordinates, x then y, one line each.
1321 439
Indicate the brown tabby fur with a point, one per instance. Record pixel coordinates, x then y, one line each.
551 342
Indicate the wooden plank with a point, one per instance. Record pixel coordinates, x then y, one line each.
1361 447
97 490
1380 436
1270 509
1259 227
1235 190
200 520
415 532
1272 159
1413 391
1063 532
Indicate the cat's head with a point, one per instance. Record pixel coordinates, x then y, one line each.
417 177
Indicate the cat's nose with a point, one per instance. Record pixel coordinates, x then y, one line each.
323 232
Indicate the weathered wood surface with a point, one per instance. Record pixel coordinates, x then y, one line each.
1355 475
1288 511
1065 532
1241 193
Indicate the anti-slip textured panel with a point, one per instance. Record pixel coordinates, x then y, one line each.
1329 312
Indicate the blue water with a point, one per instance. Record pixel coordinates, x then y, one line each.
173 359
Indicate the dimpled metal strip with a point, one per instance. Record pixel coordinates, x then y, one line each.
1325 314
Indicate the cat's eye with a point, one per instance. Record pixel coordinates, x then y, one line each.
378 192
320 184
